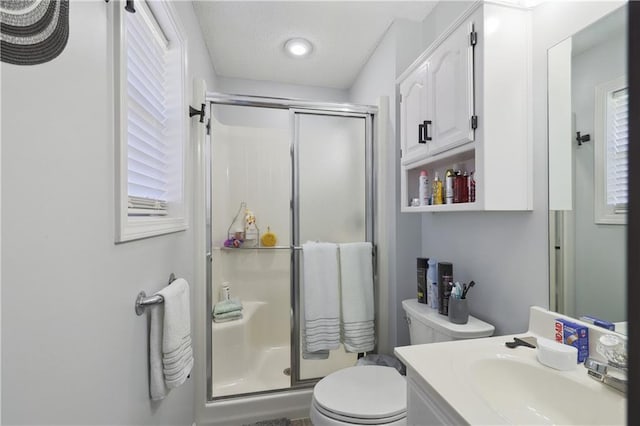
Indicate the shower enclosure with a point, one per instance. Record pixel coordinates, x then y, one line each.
305 171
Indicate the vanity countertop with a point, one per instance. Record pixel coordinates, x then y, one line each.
484 382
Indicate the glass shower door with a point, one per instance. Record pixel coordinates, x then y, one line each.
331 203
251 166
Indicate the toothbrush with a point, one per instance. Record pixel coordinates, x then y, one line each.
466 289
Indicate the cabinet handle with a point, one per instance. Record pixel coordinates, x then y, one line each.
420 132
426 125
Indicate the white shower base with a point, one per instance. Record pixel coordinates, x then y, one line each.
267 374
246 356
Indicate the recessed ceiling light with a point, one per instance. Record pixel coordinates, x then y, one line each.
298 47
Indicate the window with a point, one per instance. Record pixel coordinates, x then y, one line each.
151 128
611 152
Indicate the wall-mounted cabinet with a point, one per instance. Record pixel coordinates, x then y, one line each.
465 105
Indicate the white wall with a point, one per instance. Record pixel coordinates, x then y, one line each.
239 86
600 249
74 352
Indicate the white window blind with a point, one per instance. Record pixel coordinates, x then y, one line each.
617 169
147 97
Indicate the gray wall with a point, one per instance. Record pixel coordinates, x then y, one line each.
600 250
397 50
73 350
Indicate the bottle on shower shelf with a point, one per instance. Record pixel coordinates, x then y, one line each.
251 232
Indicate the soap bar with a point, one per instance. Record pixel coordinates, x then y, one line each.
557 355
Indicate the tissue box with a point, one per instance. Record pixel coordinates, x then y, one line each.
573 334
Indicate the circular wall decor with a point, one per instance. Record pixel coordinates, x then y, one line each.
33 31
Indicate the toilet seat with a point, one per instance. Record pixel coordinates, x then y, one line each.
367 395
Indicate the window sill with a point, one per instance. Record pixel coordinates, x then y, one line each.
136 228
611 219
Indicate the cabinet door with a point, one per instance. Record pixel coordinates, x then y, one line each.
450 91
412 115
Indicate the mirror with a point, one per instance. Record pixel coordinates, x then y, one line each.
588 171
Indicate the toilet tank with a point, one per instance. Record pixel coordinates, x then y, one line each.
426 325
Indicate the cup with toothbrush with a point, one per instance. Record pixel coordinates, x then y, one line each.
458 303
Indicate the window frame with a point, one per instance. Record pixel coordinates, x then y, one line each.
129 228
604 213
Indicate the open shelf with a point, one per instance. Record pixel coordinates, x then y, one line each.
443 208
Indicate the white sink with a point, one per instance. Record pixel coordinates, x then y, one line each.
525 392
482 382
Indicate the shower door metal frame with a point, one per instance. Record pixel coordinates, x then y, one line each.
295 221
295 106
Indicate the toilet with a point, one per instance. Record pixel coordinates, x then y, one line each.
377 395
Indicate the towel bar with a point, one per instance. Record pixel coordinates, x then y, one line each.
142 301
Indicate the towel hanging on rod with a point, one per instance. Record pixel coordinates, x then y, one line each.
142 301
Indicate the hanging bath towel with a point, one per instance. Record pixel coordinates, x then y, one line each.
356 283
33 31
320 293
170 350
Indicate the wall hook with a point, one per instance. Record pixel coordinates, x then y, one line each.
200 112
583 138
128 6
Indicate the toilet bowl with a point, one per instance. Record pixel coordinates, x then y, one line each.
377 395
362 395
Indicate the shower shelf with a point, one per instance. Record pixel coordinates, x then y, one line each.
255 248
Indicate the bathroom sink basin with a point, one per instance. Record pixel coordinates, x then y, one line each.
525 392
480 381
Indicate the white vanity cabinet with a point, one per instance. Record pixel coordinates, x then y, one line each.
425 406
465 105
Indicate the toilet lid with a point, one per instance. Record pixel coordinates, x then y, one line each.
364 392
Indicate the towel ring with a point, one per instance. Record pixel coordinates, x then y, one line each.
142 301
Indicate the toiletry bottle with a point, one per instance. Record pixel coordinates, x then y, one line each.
472 187
437 190
423 188
464 187
422 279
252 234
445 276
457 187
449 178
432 283
225 293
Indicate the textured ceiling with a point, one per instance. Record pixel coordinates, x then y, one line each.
246 38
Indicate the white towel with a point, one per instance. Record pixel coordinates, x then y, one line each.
170 346
321 295
176 333
157 387
356 278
